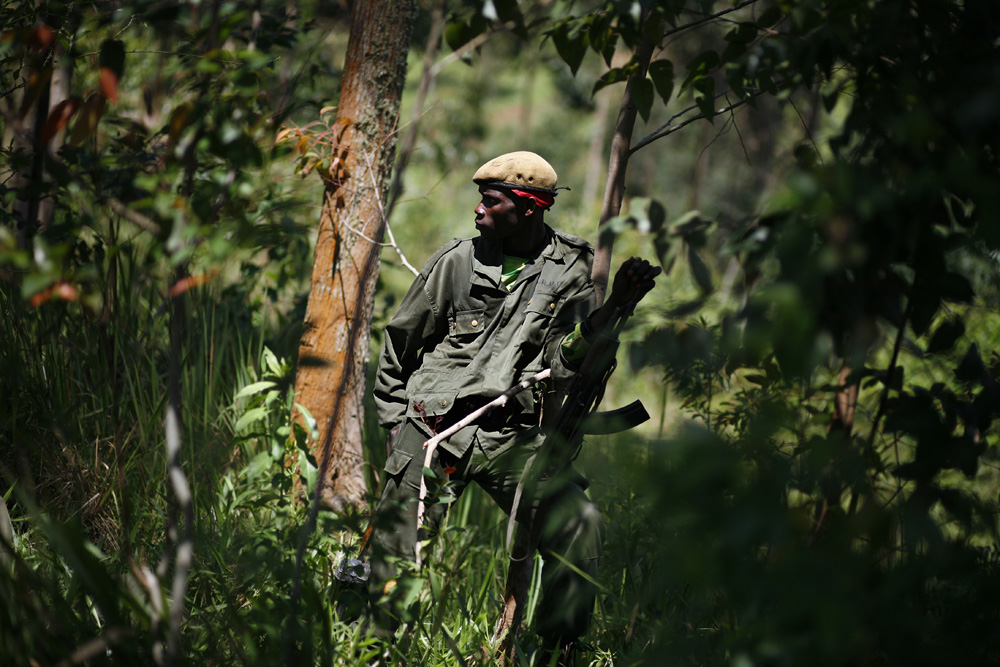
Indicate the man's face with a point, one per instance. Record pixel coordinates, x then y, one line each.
497 214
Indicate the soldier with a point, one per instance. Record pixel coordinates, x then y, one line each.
484 314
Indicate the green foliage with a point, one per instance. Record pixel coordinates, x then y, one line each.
788 520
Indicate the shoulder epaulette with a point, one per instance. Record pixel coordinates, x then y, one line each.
440 253
574 241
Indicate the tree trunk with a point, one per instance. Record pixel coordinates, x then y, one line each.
519 572
333 351
614 192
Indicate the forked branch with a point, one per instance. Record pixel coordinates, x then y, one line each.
431 445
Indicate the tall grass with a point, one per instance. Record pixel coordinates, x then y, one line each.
81 446
711 555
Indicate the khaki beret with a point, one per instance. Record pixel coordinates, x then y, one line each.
521 169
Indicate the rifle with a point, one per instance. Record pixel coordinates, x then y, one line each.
576 417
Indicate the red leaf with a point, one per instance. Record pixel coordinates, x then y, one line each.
59 117
112 64
61 289
184 284
88 118
109 84
42 37
39 298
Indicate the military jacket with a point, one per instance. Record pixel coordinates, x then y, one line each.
460 338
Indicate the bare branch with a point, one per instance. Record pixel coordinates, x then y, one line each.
463 50
432 444
712 17
732 117
385 221
133 216
805 126
668 128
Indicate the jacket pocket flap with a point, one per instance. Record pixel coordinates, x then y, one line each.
433 404
543 303
397 461
468 322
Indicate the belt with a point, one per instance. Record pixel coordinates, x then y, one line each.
494 420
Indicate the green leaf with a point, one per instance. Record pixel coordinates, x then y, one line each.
250 417
766 82
35 282
691 227
615 75
601 36
570 47
699 271
956 288
744 33
258 465
272 362
255 388
460 33
770 16
737 80
972 368
700 67
508 11
662 74
705 99
647 213
615 226
642 93
310 420
309 471
946 336
662 246
925 305
733 51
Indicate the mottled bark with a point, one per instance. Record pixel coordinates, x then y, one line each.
334 348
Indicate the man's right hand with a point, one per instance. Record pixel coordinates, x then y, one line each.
635 278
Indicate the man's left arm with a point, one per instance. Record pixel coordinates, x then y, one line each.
579 322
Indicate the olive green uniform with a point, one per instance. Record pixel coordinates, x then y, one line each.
459 339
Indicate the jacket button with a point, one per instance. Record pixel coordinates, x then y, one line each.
552 306
444 403
475 323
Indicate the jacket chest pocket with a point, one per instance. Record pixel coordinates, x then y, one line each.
466 324
539 313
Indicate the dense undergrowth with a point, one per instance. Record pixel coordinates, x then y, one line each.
819 484
716 550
